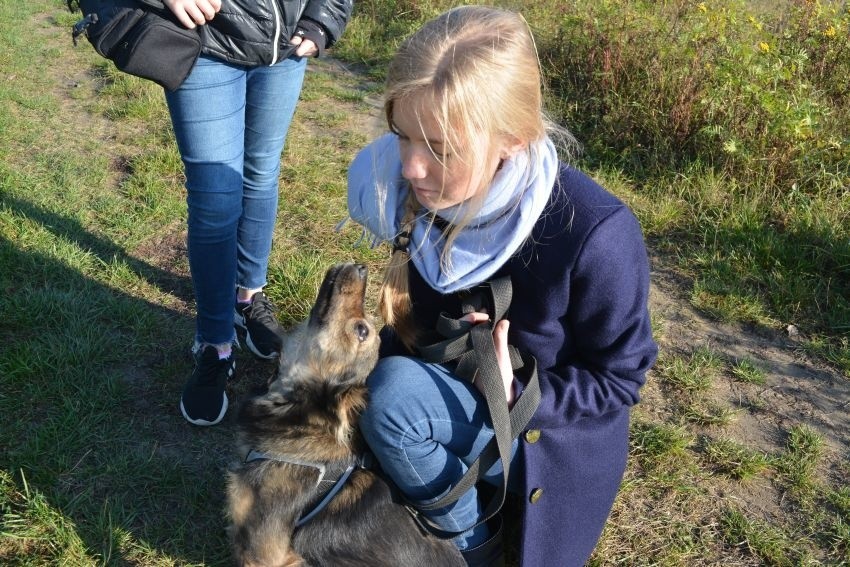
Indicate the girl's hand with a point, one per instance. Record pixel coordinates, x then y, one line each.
500 341
306 47
193 12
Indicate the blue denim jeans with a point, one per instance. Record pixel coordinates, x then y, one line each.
230 123
425 427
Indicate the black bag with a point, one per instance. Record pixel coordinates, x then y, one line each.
142 38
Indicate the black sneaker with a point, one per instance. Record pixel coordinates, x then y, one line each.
203 401
262 331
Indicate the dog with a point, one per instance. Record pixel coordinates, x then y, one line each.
304 426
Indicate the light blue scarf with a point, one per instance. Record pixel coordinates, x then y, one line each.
515 199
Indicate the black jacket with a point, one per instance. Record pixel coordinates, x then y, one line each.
257 32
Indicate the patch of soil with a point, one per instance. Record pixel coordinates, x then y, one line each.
797 390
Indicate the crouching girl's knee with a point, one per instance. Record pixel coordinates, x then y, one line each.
392 384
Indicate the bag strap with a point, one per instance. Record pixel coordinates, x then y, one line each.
473 348
90 19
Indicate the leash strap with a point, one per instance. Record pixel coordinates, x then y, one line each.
473 348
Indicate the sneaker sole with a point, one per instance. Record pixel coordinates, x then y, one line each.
255 350
204 422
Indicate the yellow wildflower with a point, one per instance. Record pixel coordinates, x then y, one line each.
830 31
702 7
803 128
764 46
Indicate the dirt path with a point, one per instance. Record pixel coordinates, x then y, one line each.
797 389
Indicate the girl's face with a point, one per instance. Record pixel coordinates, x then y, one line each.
438 178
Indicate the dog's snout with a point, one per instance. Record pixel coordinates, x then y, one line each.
362 271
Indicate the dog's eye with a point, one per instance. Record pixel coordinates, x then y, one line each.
362 331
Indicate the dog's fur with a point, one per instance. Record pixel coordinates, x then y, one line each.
310 414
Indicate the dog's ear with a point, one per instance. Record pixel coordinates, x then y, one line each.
260 408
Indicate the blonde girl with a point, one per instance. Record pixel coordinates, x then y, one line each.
467 186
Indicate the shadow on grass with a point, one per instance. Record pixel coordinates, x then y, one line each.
71 230
91 378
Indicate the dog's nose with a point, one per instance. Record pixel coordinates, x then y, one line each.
362 331
362 271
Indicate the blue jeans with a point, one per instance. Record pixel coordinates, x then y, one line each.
425 427
230 123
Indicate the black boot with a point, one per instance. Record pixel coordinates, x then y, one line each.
491 553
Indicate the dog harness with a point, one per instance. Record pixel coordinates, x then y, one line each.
332 478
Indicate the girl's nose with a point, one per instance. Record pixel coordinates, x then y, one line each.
414 165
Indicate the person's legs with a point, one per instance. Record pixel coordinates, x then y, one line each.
272 95
426 427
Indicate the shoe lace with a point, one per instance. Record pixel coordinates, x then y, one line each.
209 367
261 310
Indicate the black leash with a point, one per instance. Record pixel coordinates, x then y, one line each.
471 346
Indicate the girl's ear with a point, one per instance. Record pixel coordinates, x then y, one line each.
511 146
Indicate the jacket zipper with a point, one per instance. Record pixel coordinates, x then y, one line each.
277 26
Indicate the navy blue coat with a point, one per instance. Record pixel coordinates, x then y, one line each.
580 290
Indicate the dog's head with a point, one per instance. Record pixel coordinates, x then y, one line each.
338 342
320 384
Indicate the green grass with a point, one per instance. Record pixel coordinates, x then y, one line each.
736 168
763 541
747 371
734 459
803 450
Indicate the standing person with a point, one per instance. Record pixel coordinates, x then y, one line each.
230 118
468 187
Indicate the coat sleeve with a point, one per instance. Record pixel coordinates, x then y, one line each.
606 325
333 15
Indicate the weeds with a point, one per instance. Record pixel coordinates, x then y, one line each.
803 451
734 459
769 544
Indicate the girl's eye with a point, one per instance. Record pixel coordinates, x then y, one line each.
442 157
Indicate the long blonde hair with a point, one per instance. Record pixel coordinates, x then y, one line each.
478 70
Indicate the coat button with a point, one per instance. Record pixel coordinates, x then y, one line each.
535 495
532 435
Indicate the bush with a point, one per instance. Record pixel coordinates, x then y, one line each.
650 85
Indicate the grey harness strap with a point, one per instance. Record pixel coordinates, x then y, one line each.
337 474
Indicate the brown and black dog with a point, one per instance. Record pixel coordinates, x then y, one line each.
306 425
